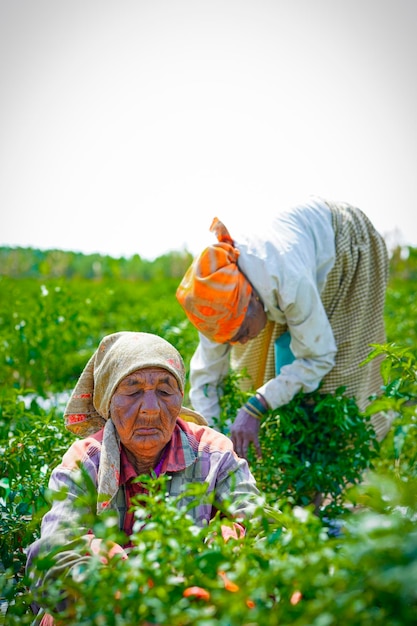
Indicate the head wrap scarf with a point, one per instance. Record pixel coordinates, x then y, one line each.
214 293
88 409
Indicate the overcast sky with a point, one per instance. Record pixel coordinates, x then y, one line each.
127 125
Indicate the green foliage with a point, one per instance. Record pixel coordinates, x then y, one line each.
42 325
312 448
286 571
51 328
380 554
54 309
51 264
32 442
231 398
316 446
399 398
401 303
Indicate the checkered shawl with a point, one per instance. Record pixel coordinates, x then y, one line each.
353 298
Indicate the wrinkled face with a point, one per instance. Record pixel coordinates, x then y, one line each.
255 321
144 409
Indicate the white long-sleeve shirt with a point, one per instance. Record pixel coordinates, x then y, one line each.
287 261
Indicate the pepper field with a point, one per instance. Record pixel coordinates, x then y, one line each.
292 568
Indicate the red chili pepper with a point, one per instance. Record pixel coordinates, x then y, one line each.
228 584
296 597
196 592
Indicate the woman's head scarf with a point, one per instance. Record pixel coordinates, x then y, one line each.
88 409
117 356
213 292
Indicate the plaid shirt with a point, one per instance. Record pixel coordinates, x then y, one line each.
132 489
195 454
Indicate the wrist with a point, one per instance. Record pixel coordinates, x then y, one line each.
256 406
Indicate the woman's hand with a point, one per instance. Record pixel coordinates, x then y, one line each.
104 550
245 430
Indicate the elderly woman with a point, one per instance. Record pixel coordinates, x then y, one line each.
127 407
296 301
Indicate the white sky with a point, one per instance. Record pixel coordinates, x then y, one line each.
127 125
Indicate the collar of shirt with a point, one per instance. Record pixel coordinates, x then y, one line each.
180 452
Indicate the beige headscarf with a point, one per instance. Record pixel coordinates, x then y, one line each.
88 409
